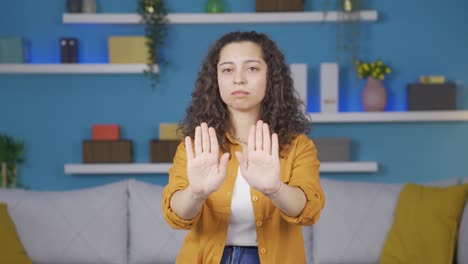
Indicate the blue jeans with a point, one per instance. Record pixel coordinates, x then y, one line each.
240 255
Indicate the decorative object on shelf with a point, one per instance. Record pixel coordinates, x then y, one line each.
13 50
11 154
431 79
163 150
329 87
214 6
89 6
127 49
154 15
169 131
349 5
299 76
74 6
105 132
68 50
374 94
435 96
333 149
106 146
279 5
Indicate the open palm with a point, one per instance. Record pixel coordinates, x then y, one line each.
260 167
205 170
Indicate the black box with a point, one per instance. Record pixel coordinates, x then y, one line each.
431 96
107 151
333 149
68 50
279 5
163 150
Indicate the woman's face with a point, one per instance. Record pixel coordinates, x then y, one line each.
242 76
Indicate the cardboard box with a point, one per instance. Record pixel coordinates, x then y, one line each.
13 50
431 96
107 151
163 150
279 5
105 132
128 49
333 149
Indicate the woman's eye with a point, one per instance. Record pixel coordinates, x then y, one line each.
253 68
227 70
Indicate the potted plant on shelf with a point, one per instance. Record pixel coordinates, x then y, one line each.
11 154
374 94
154 16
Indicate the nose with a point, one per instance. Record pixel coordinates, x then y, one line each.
239 78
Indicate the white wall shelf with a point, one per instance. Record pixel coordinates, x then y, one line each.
72 68
409 116
202 18
162 168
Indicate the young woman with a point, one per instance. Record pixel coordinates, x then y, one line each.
246 177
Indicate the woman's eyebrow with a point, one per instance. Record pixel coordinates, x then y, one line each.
244 62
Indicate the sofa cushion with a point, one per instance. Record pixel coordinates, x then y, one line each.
12 251
462 252
426 220
78 226
355 221
151 238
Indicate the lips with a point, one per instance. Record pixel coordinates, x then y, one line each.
240 93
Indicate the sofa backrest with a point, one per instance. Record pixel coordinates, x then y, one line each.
151 240
79 226
354 224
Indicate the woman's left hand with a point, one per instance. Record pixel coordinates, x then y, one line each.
261 166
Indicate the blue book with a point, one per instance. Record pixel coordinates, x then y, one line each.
12 50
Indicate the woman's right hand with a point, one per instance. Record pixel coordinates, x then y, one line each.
205 170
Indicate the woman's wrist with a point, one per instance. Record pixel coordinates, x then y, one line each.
196 195
269 194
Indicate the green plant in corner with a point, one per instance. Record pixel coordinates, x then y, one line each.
11 154
154 16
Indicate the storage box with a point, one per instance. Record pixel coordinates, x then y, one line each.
107 151
333 149
431 96
13 50
128 49
168 131
163 150
279 5
105 132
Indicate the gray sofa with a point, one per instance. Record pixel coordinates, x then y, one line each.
121 223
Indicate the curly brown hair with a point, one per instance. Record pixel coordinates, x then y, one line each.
281 108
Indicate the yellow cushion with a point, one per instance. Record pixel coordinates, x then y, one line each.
425 226
12 251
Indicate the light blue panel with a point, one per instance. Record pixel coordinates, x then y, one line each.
54 113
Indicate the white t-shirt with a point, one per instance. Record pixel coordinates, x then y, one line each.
241 231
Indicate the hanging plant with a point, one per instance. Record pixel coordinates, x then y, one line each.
154 16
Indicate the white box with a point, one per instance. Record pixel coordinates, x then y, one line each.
329 86
299 76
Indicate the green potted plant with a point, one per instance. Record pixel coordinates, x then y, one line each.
11 154
154 16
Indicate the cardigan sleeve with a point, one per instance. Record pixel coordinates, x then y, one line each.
305 175
177 181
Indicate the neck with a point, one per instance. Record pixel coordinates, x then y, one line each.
241 123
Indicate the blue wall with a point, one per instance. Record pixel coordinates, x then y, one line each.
54 113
